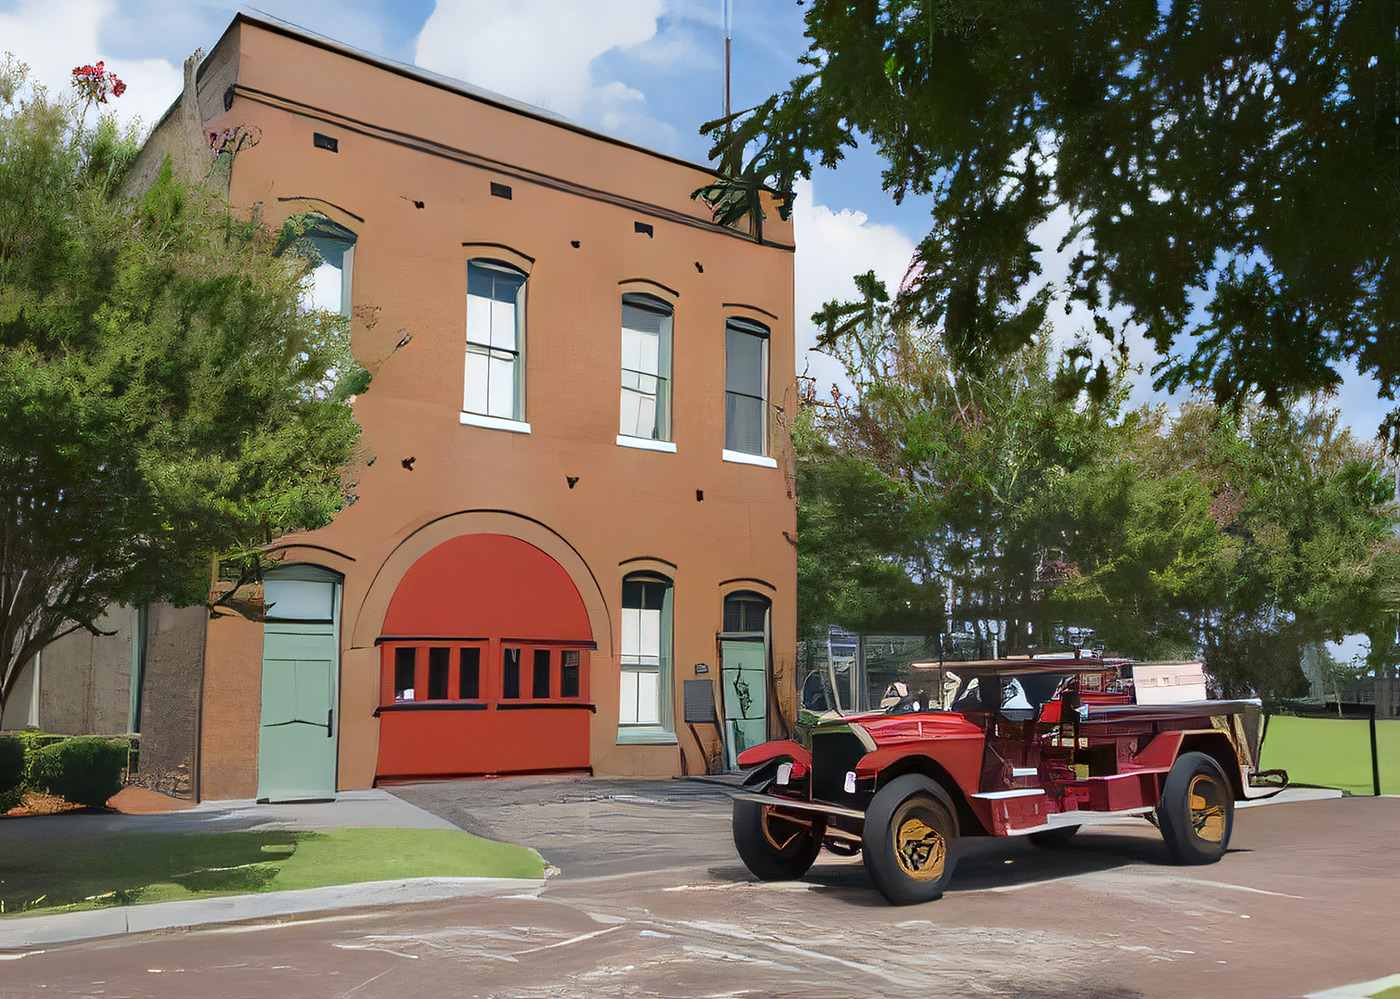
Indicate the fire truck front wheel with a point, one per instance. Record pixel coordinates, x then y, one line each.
910 827
773 845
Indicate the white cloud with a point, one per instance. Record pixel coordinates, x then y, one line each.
53 36
533 50
832 247
674 46
622 111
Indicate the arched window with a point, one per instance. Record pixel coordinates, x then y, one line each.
644 707
646 368
495 368
745 388
331 247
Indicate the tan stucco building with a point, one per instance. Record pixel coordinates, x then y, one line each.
580 498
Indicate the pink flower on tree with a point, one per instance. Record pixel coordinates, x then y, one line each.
95 82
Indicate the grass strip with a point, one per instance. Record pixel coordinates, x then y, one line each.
131 868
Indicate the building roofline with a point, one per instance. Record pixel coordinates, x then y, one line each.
268 22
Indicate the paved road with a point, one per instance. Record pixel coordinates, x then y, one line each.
649 900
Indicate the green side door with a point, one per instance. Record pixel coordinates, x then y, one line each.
744 679
297 744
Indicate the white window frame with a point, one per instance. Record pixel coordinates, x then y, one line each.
327 238
636 360
485 344
640 656
733 446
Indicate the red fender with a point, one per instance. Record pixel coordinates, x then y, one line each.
779 749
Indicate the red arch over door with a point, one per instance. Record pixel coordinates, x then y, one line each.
484 664
480 584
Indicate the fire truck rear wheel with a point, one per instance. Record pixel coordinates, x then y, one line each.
1197 810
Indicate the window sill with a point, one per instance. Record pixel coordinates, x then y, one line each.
432 706
744 458
645 444
645 735
545 706
495 423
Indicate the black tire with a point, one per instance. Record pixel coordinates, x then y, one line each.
910 827
773 846
1058 836
1197 810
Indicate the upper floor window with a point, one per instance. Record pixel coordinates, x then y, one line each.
745 387
331 247
646 368
495 371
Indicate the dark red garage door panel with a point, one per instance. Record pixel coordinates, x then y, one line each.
484 664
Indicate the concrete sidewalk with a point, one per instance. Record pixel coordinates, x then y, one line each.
349 810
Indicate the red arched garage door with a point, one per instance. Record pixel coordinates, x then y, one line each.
484 664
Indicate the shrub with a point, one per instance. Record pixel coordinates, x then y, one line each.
33 740
12 772
86 770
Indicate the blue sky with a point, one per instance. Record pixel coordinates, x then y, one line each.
648 71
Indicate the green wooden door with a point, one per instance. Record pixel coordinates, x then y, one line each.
297 739
744 677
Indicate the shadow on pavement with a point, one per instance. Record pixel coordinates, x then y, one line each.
991 864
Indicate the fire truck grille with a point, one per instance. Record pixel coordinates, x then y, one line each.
834 754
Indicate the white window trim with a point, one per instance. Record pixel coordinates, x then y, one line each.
744 458
645 735
645 444
494 423
347 264
649 302
484 347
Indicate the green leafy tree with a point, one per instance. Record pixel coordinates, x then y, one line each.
1016 503
1244 538
1228 172
965 462
859 545
165 398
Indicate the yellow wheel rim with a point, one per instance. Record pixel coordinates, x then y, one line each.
920 849
1206 800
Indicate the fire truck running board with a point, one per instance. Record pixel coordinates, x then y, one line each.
1060 820
794 805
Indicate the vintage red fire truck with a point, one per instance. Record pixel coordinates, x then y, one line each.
1009 747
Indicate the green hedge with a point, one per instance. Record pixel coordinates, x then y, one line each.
86 769
13 772
33 740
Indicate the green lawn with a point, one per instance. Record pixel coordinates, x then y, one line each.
1327 752
135 868
1334 752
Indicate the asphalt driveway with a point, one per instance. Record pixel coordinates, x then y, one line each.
1295 908
649 899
